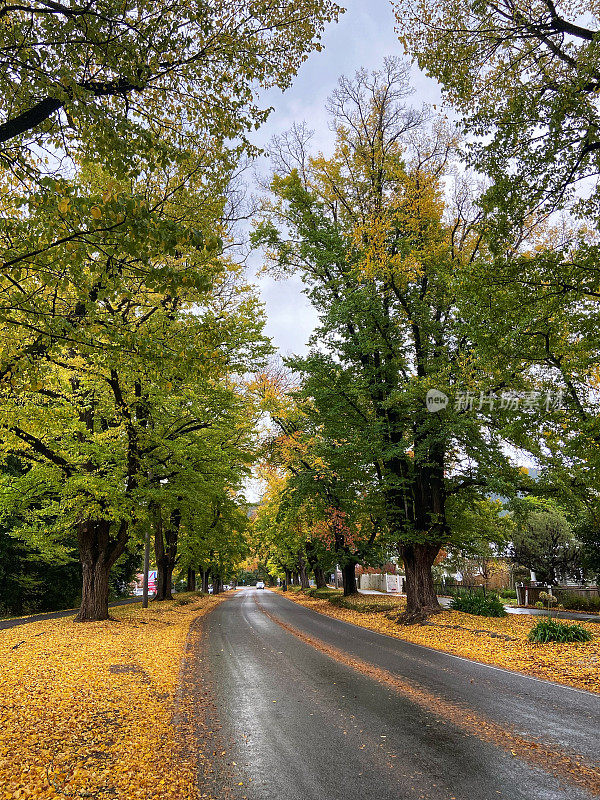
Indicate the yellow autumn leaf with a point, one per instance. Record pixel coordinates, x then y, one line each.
96 212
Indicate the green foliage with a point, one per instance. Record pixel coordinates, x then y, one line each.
508 594
246 578
386 265
31 581
586 527
524 77
124 571
124 332
579 602
186 598
161 75
543 541
553 631
480 524
29 584
119 170
488 605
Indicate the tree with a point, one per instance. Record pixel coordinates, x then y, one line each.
163 94
544 542
524 76
320 515
587 531
386 266
102 264
32 581
154 398
481 530
537 312
151 73
198 463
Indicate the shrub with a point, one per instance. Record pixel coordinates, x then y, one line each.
483 606
508 594
552 631
577 602
539 604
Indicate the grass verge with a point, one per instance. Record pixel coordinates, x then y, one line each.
88 709
501 642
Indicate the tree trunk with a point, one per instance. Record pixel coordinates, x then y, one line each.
94 598
191 580
216 584
165 547
164 580
302 572
320 580
205 581
97 554
421 597
349 578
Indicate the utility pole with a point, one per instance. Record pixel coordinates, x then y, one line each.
146 567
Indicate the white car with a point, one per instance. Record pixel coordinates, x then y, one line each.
260 584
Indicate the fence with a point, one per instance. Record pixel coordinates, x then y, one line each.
454 590
382 582
530 595
574 597
582 591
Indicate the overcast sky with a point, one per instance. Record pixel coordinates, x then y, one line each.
363 37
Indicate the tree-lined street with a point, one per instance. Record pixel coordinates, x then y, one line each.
263 350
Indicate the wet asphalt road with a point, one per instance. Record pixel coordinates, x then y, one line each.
298 723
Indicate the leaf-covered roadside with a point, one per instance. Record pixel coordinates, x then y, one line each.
87 710
502 642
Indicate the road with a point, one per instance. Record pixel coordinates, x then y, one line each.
310 707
